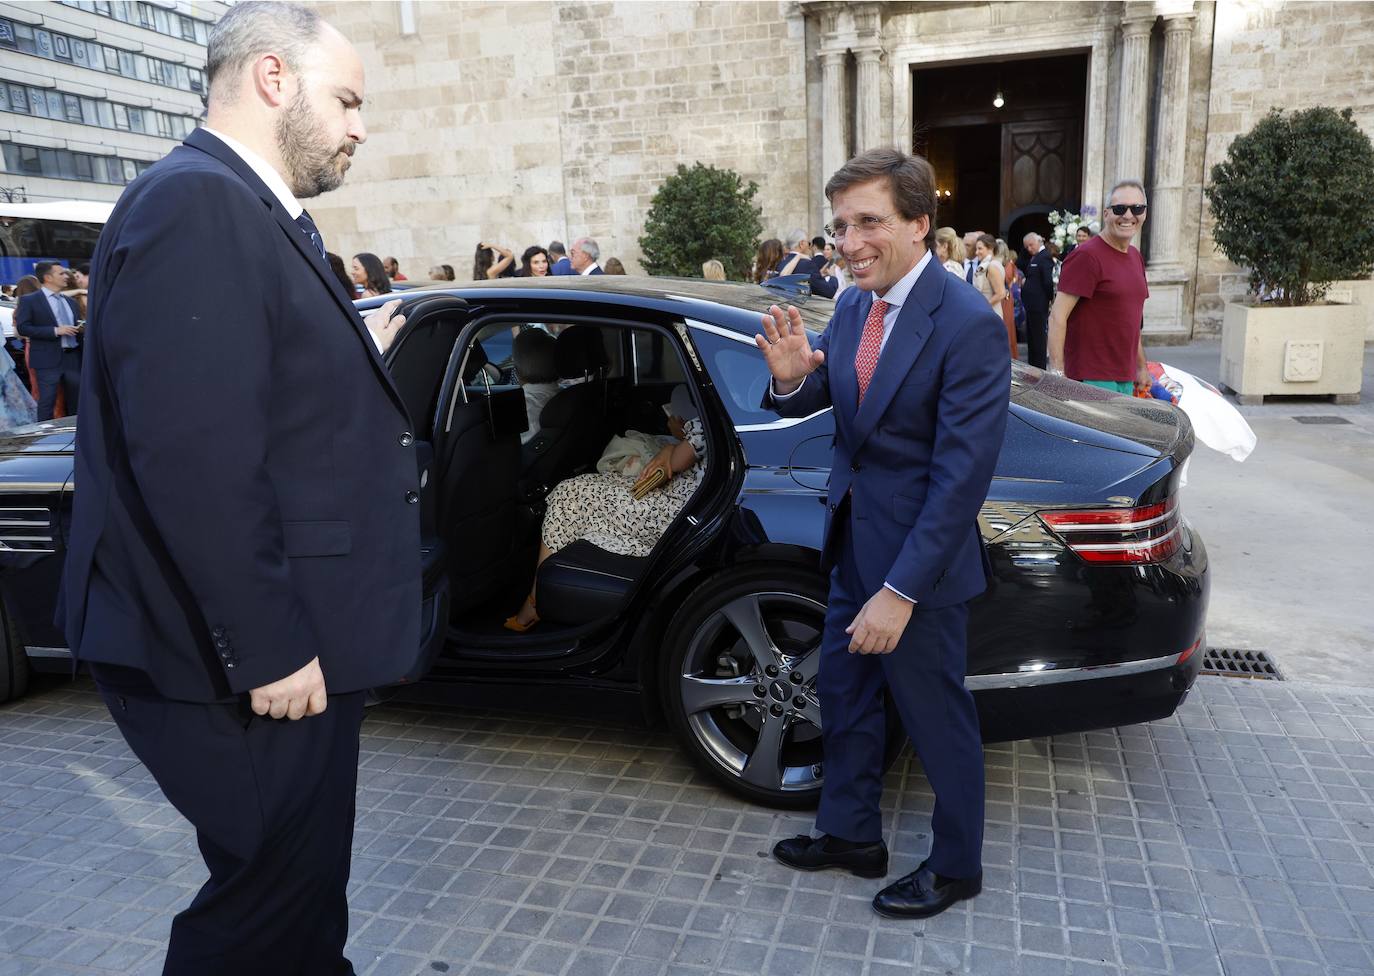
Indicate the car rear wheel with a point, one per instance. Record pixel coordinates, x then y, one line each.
739 684
14 662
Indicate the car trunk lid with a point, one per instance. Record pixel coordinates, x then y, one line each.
1087 414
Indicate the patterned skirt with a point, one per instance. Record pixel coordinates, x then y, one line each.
601 509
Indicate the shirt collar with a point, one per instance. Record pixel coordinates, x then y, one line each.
588 269
264 171
896 295
49 292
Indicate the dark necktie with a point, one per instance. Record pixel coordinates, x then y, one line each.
311 231
968 274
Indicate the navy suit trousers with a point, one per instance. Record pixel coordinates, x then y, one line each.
272 802
925 675
67 376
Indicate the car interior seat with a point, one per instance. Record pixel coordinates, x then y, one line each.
573 427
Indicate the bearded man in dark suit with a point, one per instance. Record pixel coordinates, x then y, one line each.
244 559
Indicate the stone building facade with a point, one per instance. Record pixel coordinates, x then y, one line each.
523 122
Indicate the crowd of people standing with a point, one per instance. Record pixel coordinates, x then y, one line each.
368 275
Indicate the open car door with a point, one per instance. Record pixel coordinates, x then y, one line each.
418 360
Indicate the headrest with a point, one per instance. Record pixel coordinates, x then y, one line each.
580 351
477 358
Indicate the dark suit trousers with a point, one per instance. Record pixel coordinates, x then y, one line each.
1037 335
925 675
50 378
272 802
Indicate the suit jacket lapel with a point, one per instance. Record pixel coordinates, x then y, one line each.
844 346
207 143
913 327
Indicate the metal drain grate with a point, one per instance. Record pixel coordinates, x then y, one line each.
1239 664
1321 419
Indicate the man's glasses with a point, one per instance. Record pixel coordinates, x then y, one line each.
1120 208
867 226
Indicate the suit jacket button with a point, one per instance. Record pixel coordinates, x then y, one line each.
406 439
855 467
217 632
221 643
412 497
832 506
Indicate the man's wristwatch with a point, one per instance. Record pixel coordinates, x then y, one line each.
1054 372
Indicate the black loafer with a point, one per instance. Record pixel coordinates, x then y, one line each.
806 853
923 893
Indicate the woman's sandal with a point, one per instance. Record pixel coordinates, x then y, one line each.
513 623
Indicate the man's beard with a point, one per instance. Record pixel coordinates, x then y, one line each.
311 160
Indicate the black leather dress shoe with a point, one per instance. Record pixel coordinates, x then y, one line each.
806 853
923 893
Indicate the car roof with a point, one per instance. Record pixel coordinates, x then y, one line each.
678 295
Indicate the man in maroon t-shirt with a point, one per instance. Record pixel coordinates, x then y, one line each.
1097 313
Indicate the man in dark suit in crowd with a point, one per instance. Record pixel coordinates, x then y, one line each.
800 260
244 558
48 319
1037 294
586 254
914 365
559 256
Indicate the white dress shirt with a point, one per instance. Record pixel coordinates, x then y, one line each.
895 297
265 172
588 269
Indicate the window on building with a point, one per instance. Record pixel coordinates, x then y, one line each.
23 37
19 98
71 107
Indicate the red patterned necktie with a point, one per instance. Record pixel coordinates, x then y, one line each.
866 361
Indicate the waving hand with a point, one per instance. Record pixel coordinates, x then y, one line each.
786 349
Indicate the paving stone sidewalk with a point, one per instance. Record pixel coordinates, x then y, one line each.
1235 839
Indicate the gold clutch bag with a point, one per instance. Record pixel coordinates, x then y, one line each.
656 479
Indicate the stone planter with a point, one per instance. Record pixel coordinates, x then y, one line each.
1313 350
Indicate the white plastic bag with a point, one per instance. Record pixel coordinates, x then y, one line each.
1216 422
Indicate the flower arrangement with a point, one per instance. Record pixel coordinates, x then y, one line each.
1065 226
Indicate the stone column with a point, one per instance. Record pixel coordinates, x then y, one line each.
867 130
868 53
835 112
1131 120
1171 142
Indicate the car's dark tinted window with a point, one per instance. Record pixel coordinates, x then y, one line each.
739 374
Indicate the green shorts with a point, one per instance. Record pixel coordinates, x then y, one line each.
1126 389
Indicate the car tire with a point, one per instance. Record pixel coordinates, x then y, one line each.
755 731
14 662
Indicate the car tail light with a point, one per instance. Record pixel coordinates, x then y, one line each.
1119 536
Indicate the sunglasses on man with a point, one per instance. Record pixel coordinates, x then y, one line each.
1120 208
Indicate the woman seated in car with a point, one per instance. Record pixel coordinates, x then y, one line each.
536 370
603 508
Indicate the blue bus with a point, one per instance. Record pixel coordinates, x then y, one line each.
65 231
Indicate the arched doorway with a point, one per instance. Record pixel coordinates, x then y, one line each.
1005 138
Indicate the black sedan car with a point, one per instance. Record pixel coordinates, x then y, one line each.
1094 614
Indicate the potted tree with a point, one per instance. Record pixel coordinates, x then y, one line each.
1291 203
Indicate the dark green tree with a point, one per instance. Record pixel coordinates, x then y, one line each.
1292 202
699 214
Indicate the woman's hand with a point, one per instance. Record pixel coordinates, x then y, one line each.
677 428
662 461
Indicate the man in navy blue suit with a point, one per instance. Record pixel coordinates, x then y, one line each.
586 254
914 364
48 319
799 259
562 265
244 559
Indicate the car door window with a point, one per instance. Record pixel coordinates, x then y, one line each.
740 375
